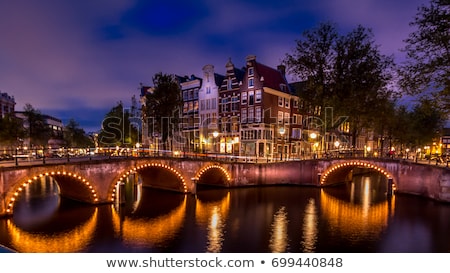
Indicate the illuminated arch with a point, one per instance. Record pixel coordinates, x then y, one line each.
205 169
136 169
15 193
351 164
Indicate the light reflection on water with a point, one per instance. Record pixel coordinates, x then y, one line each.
279 240
309 228
355 217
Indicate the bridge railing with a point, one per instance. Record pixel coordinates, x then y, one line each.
23 156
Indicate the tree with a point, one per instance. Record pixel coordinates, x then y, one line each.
11 131
344 72
426 70
312 62
38 131
360 80
427 121
162 106
76 136
117 130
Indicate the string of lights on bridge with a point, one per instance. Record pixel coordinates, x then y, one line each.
135 170
353 164
20 189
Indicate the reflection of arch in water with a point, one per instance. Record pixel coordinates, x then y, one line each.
116 186
213 215
71 241
342 169
351 219
70 184
213 175
149 232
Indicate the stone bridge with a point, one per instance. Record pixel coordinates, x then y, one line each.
98 181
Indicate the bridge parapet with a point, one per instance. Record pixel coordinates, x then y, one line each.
94 181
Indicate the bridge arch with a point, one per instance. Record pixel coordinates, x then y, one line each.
340 169
140 169
71 185
213 175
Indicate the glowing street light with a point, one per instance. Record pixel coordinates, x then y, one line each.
282 131
215 135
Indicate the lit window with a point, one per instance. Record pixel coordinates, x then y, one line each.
258 96
244 98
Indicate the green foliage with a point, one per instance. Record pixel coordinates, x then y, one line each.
117 130
76 136
38 131
312 62
11 131
427 68
162 106
345 72
427 121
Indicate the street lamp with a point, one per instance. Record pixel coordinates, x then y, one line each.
336 144
282 131
137 149
313 136
215 135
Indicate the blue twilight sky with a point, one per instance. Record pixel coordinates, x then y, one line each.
77 59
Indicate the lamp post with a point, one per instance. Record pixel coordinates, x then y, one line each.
282 131
313 136
138 145
215 135
336 145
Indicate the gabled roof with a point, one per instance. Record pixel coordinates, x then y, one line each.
239 73
273 78
218 79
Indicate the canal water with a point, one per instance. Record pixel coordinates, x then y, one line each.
357 216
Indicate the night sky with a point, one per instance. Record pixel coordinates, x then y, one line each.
77 59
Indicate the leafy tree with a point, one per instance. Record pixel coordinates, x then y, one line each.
75 136
345 72
360 80
38 131
427 121
117 130
162 106
427 67
11 131
312 62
